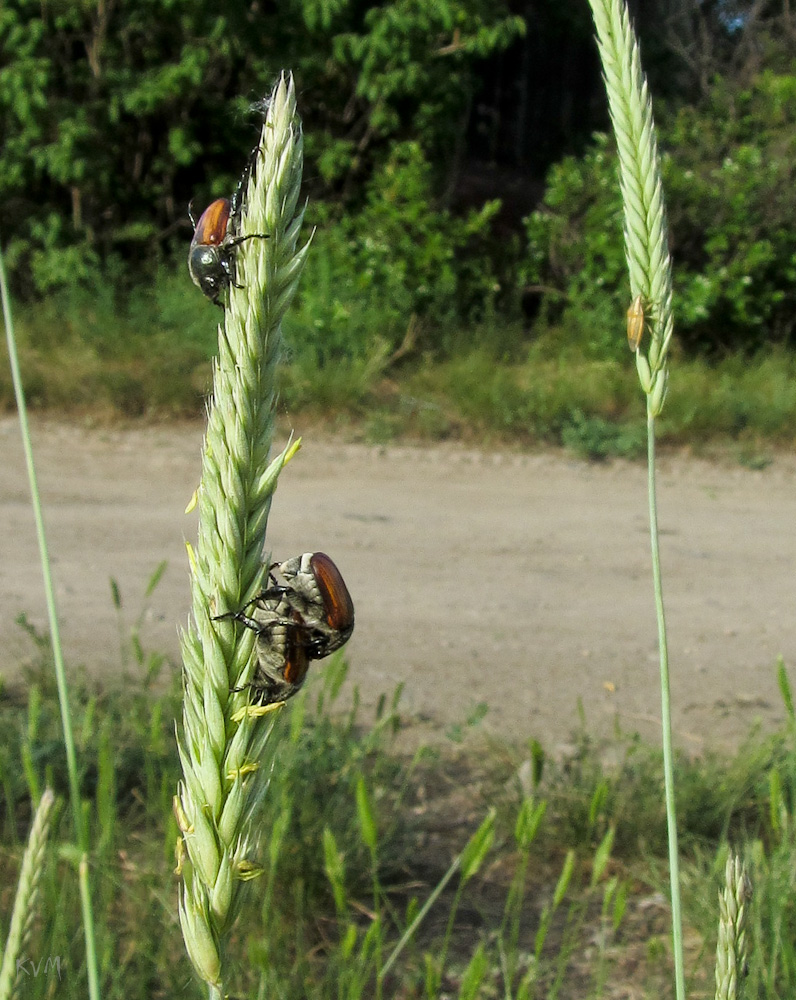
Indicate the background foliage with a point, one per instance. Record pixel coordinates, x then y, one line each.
457 171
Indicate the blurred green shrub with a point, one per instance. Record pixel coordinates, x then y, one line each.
398 257
114 115
729 185
576 262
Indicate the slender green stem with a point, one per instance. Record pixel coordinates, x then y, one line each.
88 924
666 714
650 271
81 827
420 917
41 536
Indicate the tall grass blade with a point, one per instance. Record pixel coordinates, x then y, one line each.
81 826
785 689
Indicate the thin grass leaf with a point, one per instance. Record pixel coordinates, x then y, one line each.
564 879
478 846
602 856
785 689
529 819
367 823
78 814
156 577
335 871
474 974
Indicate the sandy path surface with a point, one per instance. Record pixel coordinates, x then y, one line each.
513 579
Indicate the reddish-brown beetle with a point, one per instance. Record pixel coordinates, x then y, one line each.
304 614
211 257
314 586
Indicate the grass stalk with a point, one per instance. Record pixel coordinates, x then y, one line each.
468 862
666 715
420 916
81 826
222 737
650 271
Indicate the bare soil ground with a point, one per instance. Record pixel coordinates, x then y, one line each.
518 580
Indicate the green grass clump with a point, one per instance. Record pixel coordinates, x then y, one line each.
361 834
105 352
146 354
111 359
735 397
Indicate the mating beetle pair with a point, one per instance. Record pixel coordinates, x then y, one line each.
304 618
211 259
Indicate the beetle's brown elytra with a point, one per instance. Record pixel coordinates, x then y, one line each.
211 257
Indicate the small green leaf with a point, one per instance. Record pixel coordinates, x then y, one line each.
775 799
473 855
335 871
537 762
349 941
602 856
597 802
154 580
367 823
474 975
564 879
529 819
432 978
785 688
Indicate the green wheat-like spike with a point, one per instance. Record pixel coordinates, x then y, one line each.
220 741
27 892
731 945
646 230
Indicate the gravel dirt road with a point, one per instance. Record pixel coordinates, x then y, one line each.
519 580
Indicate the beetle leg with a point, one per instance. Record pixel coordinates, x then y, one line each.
239 616
237 197
277 590
254 625
237 240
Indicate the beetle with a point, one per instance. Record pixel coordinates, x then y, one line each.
306 617
314 586
283 655
211 257
216 236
